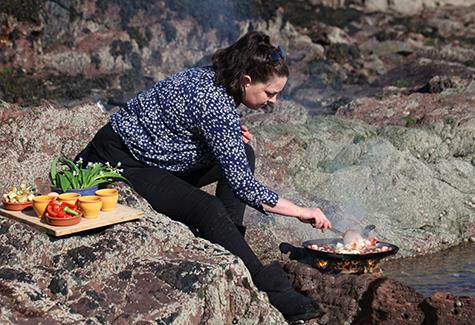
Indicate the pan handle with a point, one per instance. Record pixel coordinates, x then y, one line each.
336 231
367 230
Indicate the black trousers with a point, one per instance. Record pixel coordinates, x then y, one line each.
217 218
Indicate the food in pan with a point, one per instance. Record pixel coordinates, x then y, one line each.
358 246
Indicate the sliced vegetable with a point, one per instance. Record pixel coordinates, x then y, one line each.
58 209
19 195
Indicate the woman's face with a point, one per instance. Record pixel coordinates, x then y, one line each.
258 94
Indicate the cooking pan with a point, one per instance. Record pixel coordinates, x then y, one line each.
393 249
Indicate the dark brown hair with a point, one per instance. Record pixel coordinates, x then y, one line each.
253 55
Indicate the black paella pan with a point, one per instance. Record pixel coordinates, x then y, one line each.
346 263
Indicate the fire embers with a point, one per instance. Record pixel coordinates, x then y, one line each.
345 265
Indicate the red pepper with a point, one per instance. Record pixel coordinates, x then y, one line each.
53 208
67 210
57 209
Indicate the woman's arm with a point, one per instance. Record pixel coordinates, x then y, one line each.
313 216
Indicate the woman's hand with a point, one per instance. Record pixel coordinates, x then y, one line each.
312 216
315 217
246 135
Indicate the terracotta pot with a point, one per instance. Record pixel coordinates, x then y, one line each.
90 206
109 197
70 197
40 202
63 222
15 206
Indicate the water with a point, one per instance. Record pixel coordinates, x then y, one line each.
452 270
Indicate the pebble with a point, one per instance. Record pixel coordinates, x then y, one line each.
458 303
472 239
473 199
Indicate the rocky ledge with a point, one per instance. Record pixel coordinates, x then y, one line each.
156 270
374 299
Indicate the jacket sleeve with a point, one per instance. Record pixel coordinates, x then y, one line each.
220 127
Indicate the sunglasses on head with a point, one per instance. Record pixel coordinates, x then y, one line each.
277 54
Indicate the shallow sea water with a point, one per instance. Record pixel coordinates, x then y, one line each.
452 270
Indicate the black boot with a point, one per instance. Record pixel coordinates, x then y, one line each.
293 305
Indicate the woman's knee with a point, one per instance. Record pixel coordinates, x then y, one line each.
212 207
251 156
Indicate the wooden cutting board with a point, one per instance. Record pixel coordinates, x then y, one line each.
121 214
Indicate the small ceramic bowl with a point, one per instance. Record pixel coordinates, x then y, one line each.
71 198
90 206
109 197
40 202
63 222
15 206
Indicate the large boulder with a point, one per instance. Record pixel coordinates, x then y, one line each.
417 185
152 270
156 269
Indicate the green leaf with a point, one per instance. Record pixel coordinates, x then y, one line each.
84 173
64 183
93 172
108 177
72 166
53 173
72 175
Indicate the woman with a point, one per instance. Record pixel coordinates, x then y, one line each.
184 133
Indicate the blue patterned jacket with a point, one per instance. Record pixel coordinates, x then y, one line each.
187 122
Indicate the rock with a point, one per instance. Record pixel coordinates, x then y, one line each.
373 175
444 308
413 110
407 80
372 299
87 273
408 7
152 270
335 50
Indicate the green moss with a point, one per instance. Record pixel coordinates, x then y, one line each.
470 63
449 120
342 53
402 83
16 85
429 42
7 71
303 13
23 10
26 89
410 121
359 138
254 296
141 37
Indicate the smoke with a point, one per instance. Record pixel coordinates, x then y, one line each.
350 214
